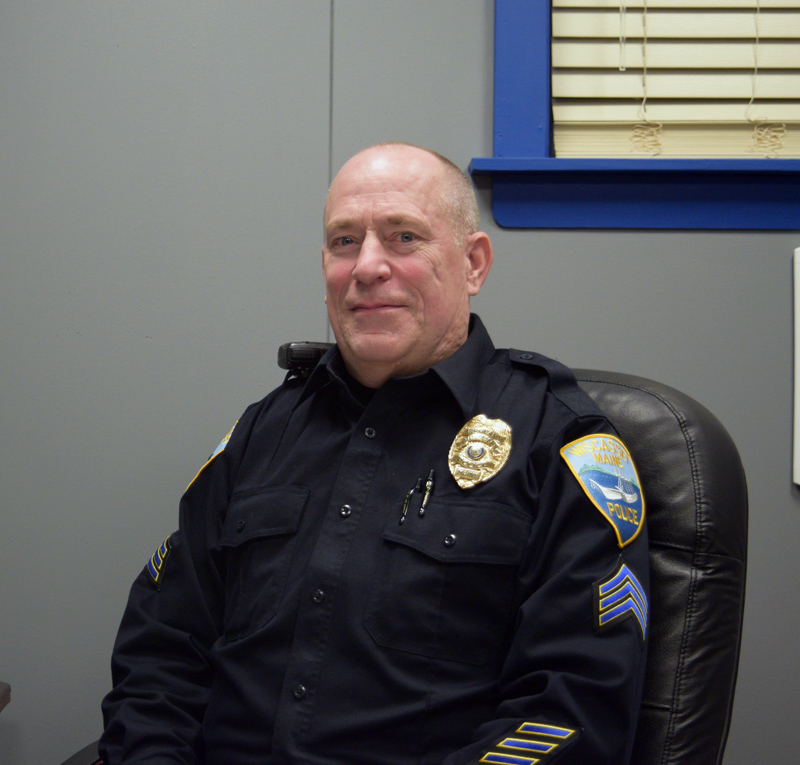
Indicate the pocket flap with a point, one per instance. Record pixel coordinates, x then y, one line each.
265 512
462 532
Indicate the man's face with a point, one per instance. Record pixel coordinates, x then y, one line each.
397 284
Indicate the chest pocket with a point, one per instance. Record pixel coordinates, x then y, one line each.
445 583
258 540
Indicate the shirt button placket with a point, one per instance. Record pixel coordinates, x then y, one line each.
314 617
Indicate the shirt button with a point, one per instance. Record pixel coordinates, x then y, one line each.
318 596
299 692
526 356
370 432
240 525
345 511
449 540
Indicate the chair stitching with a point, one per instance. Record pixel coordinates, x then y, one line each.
679 548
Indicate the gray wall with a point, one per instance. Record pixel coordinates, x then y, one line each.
163 170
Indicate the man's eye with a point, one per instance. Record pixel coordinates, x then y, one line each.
345 240
406 237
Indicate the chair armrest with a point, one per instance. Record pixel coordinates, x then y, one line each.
87 756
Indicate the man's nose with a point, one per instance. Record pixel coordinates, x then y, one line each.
372 263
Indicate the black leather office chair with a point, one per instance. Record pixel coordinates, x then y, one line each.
696 504
86 756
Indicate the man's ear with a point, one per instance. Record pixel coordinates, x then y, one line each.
479 257
324 279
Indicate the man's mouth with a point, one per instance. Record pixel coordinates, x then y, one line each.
373 307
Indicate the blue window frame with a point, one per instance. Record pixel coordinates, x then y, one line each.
533 189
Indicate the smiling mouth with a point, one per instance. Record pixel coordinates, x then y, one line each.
374 308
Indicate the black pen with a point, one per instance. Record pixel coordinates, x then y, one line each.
417 487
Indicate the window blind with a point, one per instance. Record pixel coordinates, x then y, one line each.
676 78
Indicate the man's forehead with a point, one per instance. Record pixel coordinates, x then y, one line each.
402 182
386 214
382 204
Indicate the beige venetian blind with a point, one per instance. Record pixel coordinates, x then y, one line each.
676 78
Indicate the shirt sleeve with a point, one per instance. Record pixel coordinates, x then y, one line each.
161 672
571 683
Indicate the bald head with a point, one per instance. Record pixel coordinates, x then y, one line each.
457 196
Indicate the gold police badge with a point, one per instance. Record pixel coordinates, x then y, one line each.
479 451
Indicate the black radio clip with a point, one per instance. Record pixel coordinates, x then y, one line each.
300 358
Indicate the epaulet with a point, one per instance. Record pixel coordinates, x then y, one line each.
560 379
555 370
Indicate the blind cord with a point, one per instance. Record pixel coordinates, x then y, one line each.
646 136
767 137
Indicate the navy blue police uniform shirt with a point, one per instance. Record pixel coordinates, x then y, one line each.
293 618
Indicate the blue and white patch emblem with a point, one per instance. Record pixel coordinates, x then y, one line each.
618 597
222 444
214 454
155 566
604 468
530 743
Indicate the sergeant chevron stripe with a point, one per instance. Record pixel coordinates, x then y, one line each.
529 744
620 597
155 566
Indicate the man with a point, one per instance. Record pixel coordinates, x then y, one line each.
428 551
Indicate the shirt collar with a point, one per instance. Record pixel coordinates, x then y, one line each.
460 371
330 369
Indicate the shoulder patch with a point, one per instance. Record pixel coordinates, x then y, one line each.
155 566
215 453
605 470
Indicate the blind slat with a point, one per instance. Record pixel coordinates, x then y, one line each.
679 112
677 4
681 85
689 25
674 141
578 54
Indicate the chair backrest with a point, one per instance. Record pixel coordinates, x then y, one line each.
696 504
